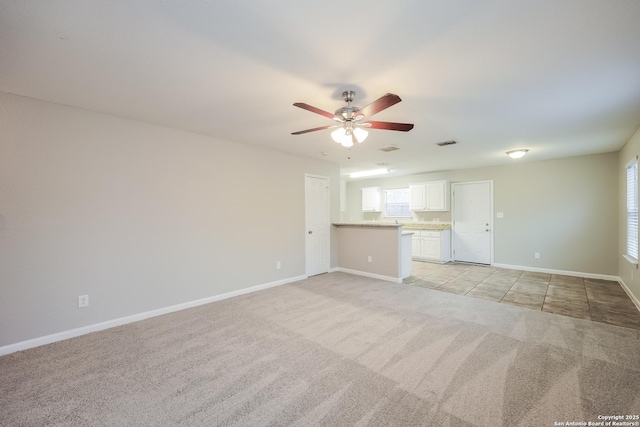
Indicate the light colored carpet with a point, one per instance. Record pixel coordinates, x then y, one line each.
332 350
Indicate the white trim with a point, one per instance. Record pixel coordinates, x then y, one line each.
72 333
635 300
561 272
631 259
372 275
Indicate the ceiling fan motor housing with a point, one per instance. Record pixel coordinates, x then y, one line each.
347 113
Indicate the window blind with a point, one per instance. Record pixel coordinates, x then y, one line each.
632 208
397 202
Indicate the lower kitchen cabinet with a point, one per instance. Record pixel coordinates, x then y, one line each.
431 245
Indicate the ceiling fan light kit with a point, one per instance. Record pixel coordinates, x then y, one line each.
352 120
517 154
347 137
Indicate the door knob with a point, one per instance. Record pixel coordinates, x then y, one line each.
310 232
486 229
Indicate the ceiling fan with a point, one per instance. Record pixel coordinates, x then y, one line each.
353 121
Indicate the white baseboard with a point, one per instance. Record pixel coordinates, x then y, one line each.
48 339
561 272
635 299
366 274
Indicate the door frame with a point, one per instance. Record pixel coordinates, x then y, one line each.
306 222
491 220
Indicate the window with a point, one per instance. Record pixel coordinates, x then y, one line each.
397 202
632 210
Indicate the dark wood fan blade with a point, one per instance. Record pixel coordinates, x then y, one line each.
380 104
312 130
402 127
314 109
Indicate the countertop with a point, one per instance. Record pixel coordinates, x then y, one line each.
405 226
427 226
367 224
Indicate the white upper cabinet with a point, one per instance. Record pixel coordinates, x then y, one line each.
437 196
371 199
417 197
429 196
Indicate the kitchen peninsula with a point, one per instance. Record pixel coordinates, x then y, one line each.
374 249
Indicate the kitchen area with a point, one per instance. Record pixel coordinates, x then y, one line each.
397 227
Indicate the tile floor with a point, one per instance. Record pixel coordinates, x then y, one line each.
592 299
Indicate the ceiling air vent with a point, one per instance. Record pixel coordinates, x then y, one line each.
442 144
390 148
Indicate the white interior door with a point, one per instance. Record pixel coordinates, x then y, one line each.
317 224
472 222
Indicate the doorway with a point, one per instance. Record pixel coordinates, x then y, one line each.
316 224
472 222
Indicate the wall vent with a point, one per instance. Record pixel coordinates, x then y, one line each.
442 144
390 148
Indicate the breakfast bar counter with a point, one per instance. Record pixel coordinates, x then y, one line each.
373 249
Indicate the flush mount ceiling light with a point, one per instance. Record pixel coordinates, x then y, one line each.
371 172
516 154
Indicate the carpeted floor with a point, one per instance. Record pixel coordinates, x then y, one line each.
332 350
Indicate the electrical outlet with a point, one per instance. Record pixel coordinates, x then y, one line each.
278 265
370 258
536 255
83 301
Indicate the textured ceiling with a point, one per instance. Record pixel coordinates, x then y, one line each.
559 77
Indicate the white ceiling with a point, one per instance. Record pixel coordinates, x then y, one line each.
560 77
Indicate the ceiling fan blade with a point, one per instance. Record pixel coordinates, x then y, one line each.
314 109
313 130
380 104
403 127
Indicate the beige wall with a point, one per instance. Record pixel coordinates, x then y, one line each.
137 216
356 244
566 209
625 268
